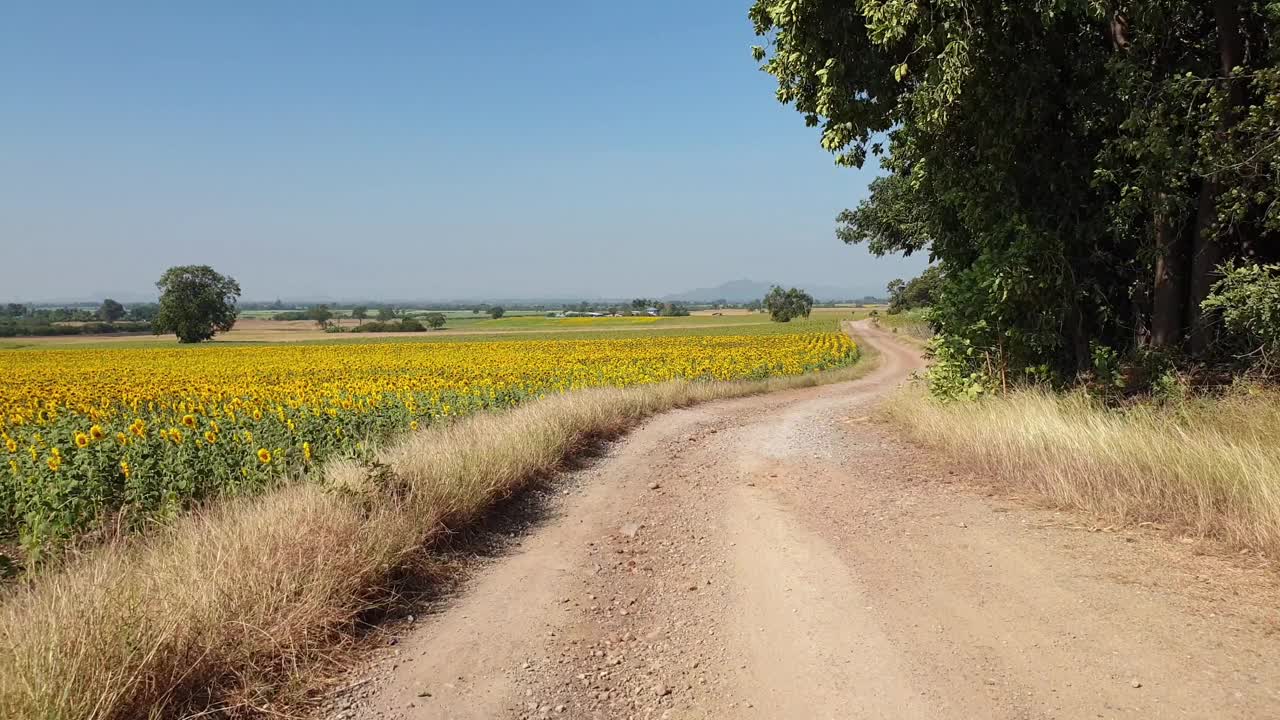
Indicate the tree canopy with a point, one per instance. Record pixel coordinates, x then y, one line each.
1077 169
786 305
110 311
195 303
918 292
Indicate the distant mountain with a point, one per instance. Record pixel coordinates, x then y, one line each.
739 291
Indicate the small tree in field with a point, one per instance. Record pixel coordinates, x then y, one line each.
496 312
110 311
320 315
359 313
195 303
386 313
435 320
785 305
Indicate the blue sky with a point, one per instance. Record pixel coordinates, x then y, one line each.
408 150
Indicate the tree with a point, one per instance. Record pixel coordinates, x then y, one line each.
496 312
143 312
786 305
195 303
386 313
321 315
110 311
359 313
1078 170
15 310
917 292
435 320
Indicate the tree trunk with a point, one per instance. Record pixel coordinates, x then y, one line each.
1169 290
1207 250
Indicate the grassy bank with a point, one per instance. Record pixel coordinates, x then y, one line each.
1207 467
234 609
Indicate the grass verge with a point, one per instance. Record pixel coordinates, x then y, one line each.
232 611
1210 467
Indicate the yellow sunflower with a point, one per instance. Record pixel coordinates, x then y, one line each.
264 456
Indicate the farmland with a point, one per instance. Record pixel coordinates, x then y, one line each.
138 433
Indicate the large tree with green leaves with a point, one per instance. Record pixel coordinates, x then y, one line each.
195 303
787 305
1077 169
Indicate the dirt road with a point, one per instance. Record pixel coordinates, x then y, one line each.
786 557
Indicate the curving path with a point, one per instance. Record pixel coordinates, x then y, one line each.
785 556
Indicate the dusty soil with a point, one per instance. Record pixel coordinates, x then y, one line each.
786 557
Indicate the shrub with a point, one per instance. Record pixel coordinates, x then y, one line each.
1248 300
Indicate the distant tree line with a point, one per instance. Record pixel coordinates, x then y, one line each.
21 320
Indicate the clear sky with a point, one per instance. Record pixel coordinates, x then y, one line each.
408 150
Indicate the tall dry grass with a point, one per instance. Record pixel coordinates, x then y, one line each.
1209 467
228 612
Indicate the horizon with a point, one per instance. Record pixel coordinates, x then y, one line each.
567 150
827 294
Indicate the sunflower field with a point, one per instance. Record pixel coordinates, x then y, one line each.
131 435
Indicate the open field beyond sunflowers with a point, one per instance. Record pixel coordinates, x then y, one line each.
130 435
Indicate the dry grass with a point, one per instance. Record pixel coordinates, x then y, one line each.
232 612
1209 467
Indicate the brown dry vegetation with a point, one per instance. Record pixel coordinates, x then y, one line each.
1208 467
236 609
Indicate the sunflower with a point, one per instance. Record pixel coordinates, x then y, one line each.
122 438
176 436
124 468
210 437
54 462
82 440
413 425
189 420
306 451
264 456
97 433
138 428
11 445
